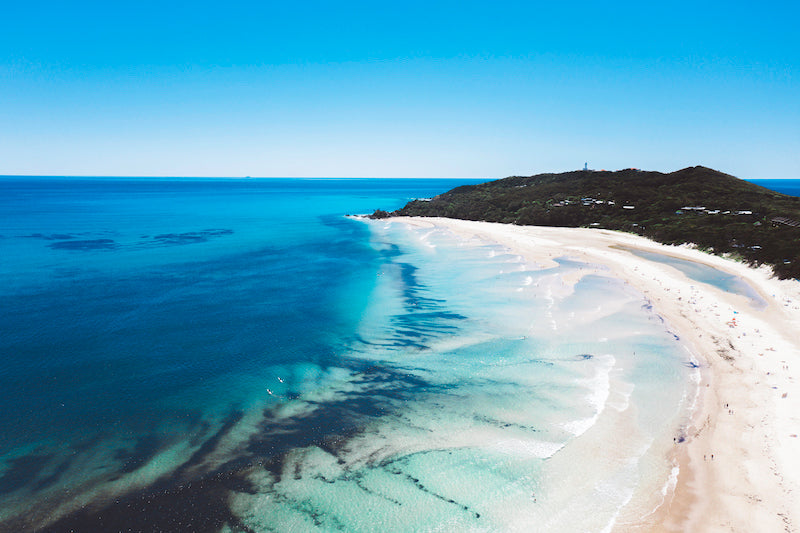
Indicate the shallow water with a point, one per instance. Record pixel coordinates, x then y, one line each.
531 405
706 274
243 356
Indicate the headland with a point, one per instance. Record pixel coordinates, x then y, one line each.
715 211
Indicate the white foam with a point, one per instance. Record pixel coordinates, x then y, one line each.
425 239
527 448
621 397
672 482
599 386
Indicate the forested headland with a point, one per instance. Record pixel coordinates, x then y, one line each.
717 212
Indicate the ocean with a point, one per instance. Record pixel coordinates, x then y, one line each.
238 355
785 186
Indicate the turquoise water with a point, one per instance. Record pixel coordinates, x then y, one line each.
237 355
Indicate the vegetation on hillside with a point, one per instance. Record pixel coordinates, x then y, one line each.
717 212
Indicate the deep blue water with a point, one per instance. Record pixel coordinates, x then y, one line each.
130 291
785 186
152 310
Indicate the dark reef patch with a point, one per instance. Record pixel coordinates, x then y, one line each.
84 245
189 237
417 483
145 449
21 470
51 479
195 496
51 237
209 445
186 500
198 505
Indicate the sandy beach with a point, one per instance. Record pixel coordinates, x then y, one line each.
739 459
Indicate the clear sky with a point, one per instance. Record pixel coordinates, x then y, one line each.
418 89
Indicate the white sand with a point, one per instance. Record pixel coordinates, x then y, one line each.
740 465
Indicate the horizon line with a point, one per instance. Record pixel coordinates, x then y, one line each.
157 177
121 176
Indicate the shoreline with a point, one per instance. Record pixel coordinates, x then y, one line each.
739 465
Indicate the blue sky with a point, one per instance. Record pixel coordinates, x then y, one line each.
417 89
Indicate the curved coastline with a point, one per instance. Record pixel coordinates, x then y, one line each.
739 463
